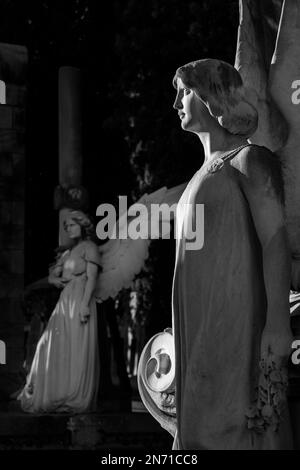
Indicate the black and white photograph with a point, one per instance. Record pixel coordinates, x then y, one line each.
149 228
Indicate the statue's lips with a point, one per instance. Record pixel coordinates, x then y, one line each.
181 115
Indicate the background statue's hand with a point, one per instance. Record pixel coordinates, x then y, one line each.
276 342
57 281
84 313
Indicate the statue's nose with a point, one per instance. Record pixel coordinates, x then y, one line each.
177 103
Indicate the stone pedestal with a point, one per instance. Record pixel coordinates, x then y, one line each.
121 431
13 64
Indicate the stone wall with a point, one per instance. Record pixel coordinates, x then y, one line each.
13 67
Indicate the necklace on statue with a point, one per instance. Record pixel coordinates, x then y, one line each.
218 163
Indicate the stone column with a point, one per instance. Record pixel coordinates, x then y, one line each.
70 139
13 65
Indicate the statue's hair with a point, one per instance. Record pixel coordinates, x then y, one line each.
220 87
84 220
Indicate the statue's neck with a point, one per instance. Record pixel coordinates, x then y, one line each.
216 145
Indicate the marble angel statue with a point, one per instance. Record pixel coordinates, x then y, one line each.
231 327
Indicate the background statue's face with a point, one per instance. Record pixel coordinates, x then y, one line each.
193 113
73 229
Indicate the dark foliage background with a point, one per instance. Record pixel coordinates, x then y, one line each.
128 51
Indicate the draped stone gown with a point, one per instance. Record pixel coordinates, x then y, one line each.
219 312
64 373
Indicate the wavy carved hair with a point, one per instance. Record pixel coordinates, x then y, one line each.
82 219
220 87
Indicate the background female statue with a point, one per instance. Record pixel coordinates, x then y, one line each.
65 371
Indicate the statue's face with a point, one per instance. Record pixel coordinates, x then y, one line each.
73 229
192 111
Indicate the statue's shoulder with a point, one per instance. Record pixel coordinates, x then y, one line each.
88 244
253 156
256 161
258 166
91 251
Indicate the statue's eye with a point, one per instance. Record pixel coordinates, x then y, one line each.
186 91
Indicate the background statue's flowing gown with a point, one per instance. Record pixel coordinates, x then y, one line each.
219 311
64 374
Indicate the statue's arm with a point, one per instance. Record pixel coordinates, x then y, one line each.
259 180
55 273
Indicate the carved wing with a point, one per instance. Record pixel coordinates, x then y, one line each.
271 67
123 258
255 45
284 70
